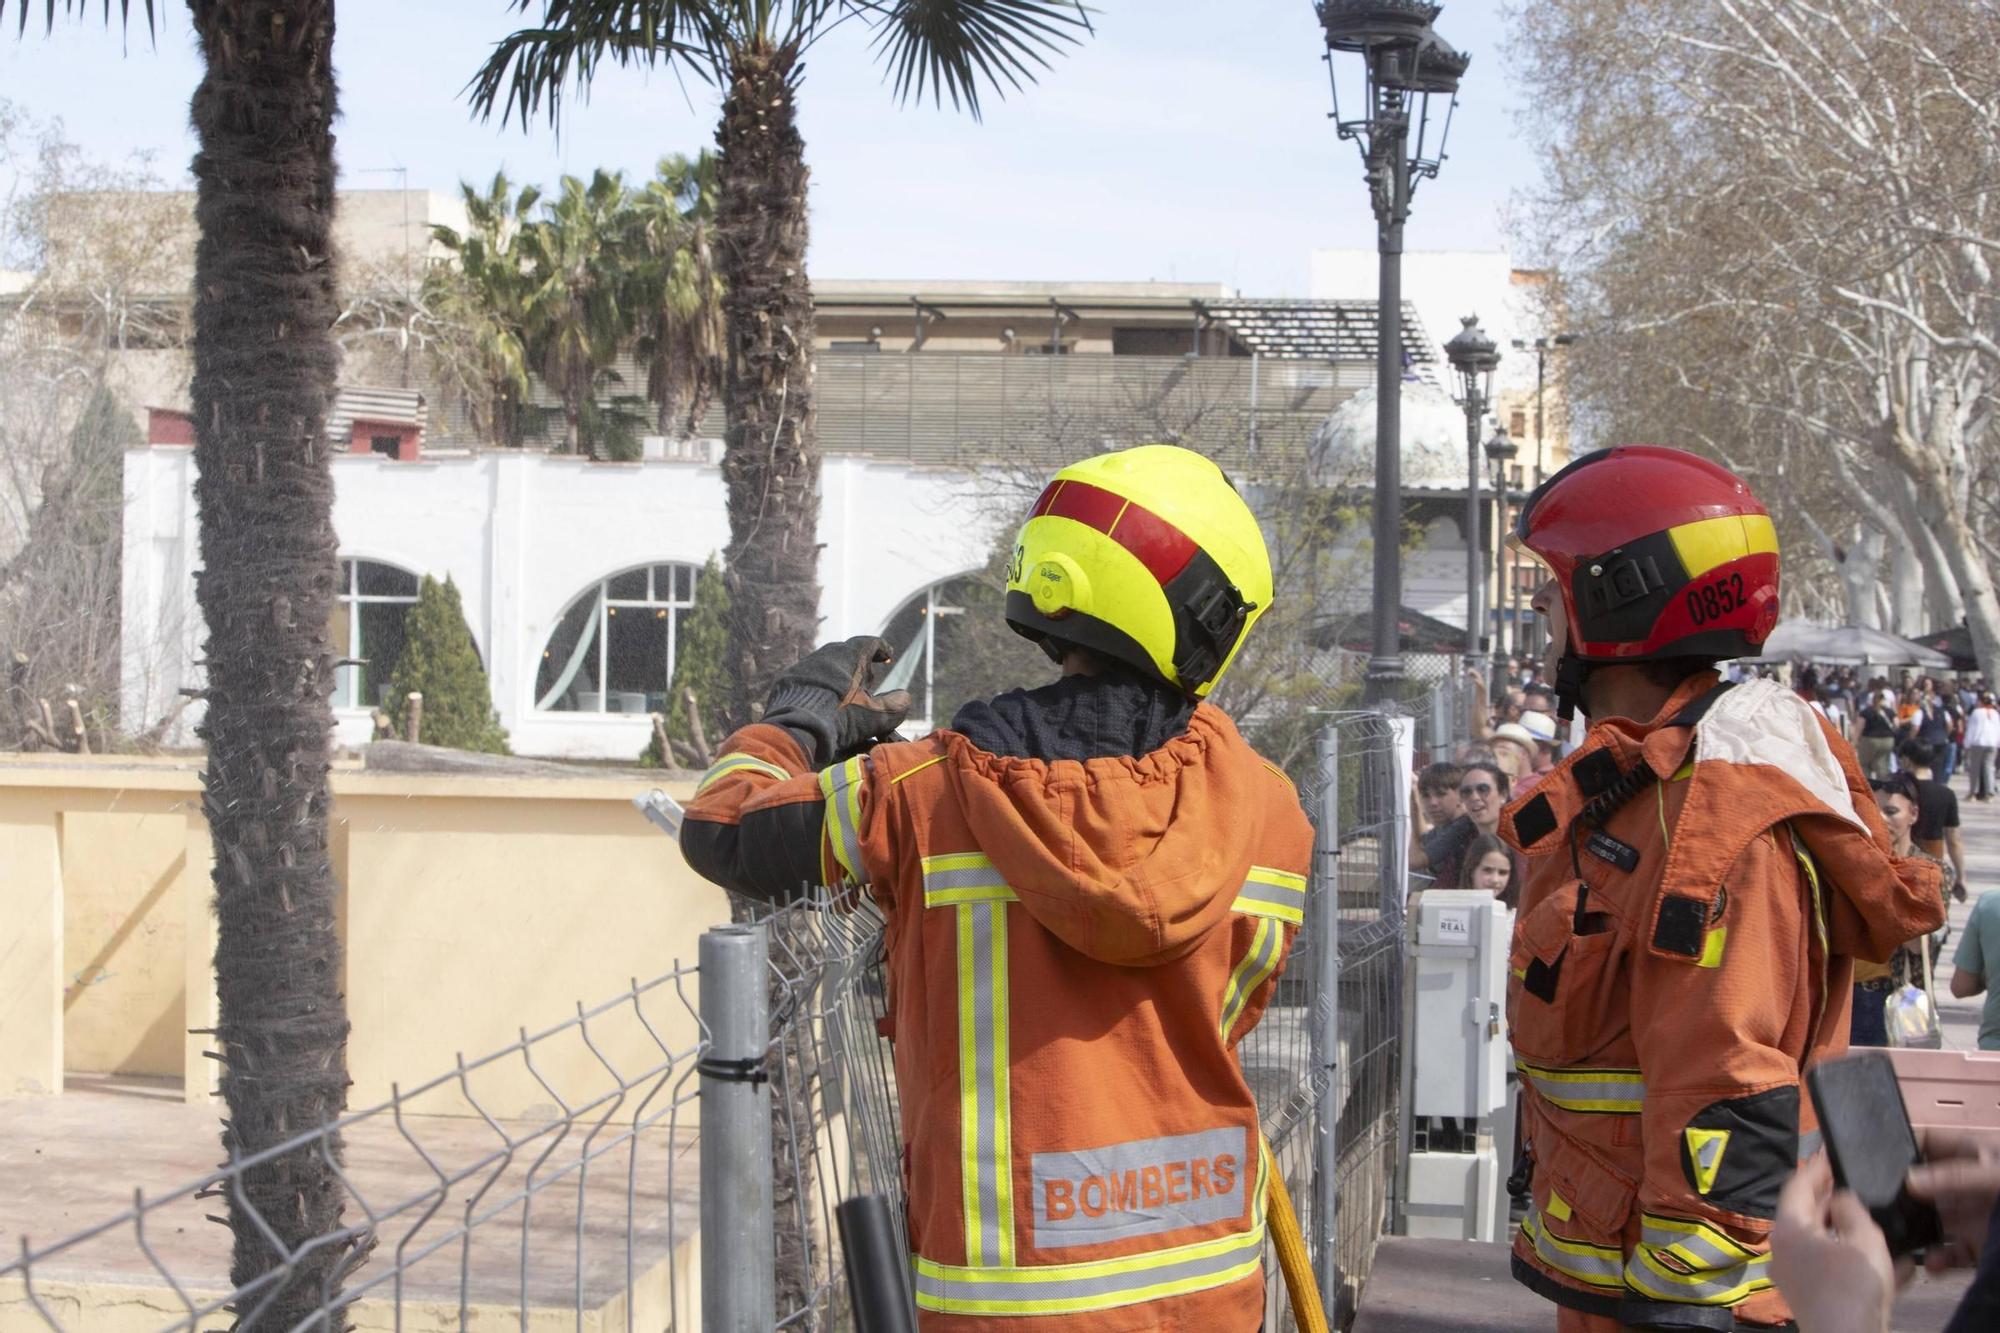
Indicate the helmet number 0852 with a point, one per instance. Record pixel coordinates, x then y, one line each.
1713 600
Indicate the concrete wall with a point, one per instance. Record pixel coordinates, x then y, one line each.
471 907
523 535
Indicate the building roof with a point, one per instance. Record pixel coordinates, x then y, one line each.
356 402
352 403
1283 328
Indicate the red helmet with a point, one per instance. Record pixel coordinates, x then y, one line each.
1658 553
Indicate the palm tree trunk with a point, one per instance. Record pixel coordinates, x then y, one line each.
264 371
770 462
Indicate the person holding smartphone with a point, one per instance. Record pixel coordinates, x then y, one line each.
1833 1264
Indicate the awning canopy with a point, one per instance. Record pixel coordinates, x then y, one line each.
1417 632
1847 645
1955 643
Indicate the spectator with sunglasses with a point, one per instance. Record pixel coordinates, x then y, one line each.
1483 788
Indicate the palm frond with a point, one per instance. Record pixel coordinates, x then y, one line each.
957 48
530 70
80 8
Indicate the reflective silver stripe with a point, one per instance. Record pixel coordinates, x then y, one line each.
985 1148
1597 1265
1143 1187
1251 972
1719 1270
1274 893
1808 1144
733 763
1598 1091
841 786
963 877
1076 1288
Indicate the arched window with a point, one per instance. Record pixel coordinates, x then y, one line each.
613 649
368 627
953 644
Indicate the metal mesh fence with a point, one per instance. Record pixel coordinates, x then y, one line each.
456 1217
583 1211
1363 862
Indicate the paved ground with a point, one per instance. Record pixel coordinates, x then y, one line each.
73 1161
1429 1286
1435 1286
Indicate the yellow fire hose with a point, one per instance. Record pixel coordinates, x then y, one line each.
1293 1258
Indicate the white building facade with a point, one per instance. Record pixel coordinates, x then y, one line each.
547 553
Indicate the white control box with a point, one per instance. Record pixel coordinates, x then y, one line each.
1456 1195
1459 1029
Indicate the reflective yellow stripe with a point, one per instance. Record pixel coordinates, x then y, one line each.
1249 974
912 772
1694 1264
841 786
1708 542
956 878
1278 894
1078 1288
985 1148
1593 1091
737 763
1592 1265
1811 868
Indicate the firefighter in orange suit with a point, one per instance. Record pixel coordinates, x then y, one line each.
1090 890
1703 869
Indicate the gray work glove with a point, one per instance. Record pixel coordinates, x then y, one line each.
825 703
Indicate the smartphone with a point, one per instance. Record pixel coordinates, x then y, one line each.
1871 1146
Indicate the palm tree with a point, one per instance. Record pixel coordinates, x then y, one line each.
676 300
571 309
479 301
752 50
265 363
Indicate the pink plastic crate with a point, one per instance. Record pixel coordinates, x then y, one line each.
1950 1088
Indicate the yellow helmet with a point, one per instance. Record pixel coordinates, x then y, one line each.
1147 555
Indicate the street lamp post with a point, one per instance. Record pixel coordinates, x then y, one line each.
1404 63
1474 356
1541 347
1500 451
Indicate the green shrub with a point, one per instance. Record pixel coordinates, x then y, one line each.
440 662
698 666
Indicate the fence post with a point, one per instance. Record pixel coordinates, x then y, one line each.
1396 888
1324 927
738 1242
1447 702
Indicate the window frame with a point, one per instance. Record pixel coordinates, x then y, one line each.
353 599
607 606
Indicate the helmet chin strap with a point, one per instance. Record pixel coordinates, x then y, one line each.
1571 672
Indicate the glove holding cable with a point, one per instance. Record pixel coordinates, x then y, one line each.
825 700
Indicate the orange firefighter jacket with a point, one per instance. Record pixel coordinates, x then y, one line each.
1698 886
1075 949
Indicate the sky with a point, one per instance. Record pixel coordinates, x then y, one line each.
1187 140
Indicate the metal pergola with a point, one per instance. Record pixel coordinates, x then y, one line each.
1315 330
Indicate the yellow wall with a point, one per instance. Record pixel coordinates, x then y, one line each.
124 942
31 949
472 907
